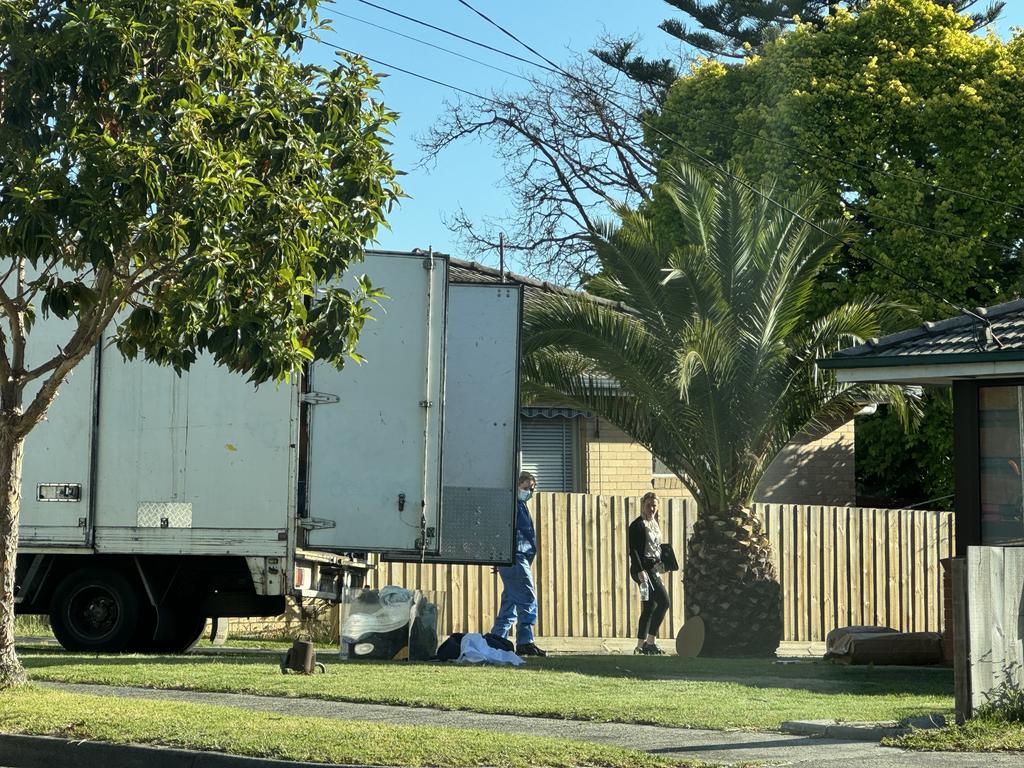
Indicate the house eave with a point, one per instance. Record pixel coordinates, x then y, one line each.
951 359
928 371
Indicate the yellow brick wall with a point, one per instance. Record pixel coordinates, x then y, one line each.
813 469
818 471
612 462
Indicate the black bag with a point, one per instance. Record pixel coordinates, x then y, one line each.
499 643
668 558
451 648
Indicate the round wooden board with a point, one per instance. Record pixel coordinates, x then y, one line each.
690 639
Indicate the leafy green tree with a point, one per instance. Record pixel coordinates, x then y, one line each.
715 364
170 172
910 123
738 29
901 468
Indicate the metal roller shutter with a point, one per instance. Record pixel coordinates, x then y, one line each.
547 449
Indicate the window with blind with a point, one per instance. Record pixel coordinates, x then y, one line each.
547 448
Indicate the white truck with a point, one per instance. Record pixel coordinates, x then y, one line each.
151 502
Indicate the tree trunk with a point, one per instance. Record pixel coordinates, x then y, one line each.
12 450
730 582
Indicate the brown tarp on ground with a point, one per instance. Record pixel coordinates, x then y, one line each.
882 645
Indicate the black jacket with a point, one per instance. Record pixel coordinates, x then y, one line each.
637 545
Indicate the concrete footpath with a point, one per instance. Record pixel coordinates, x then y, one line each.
711 746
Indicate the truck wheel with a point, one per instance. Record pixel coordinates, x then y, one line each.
95 609
177 630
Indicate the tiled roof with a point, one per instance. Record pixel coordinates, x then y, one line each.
460 271
990 333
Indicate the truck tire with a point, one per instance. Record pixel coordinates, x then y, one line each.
177 630
96 610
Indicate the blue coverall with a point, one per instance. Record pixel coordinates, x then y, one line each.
519 596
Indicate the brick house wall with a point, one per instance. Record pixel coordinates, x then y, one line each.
813 469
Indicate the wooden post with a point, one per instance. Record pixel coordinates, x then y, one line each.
961 651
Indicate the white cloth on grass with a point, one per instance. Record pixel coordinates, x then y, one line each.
475 650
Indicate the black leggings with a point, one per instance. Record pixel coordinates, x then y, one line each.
653 609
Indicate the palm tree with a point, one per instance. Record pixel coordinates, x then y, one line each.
706 356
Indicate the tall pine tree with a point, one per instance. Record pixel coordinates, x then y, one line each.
736 29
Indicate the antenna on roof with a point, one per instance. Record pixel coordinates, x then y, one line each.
501 255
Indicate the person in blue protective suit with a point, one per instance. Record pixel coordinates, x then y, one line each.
519 595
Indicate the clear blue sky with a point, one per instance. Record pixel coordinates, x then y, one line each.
468 175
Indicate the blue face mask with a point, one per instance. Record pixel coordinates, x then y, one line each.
525 494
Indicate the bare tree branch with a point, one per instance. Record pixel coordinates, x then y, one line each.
90 326
81 343
569 156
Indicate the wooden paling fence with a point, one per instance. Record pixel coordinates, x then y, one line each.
838 566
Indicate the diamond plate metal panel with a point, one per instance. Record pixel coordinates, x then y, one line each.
477 528
164 514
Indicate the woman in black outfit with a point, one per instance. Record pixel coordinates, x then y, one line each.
645 568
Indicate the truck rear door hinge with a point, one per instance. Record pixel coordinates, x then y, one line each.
316 523
318 398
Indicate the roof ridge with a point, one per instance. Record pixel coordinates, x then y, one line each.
928 329
543 285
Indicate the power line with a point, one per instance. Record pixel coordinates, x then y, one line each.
453 34
996 245
495 24
742 182
404 71
558 70
432 45
891 174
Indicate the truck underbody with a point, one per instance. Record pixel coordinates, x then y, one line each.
155 603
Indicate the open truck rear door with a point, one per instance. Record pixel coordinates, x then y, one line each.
374 430
481 418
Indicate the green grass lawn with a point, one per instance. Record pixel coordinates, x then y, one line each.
978 735
755 694
29 710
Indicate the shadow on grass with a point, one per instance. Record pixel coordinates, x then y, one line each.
37 659
812 675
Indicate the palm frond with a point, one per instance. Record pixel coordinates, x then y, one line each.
713 368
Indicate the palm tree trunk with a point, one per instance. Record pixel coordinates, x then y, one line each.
730 582
12 449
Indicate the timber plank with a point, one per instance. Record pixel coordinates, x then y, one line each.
833 562
616 547
894 604
881 566
984 586
801 581
920 564
857 607
563 584
606 569
591 504
792 584
577 587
